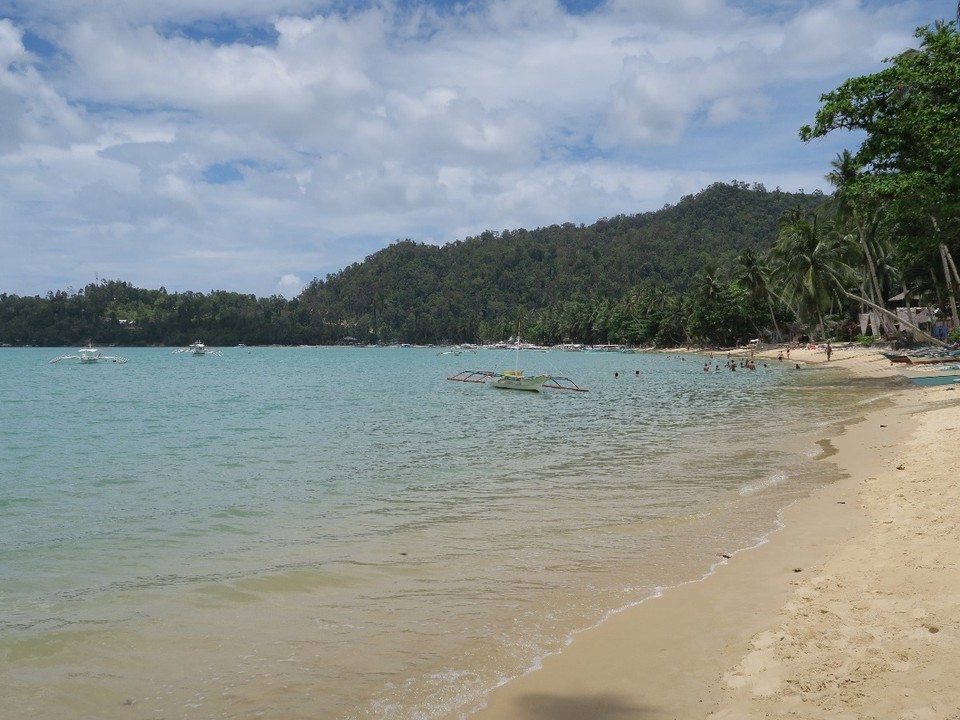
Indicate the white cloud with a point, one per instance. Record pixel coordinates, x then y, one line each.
290 286
157 143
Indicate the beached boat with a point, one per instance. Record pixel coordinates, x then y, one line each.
923 357
949 356
932 374
89 355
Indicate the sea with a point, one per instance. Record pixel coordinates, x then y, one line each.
344 534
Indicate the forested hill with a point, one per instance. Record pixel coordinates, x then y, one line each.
566 282
474 288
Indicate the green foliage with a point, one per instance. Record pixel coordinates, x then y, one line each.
813 266
632 279
571 281
907 170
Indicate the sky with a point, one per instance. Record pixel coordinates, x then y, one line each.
254 145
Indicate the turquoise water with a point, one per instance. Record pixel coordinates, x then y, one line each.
342 533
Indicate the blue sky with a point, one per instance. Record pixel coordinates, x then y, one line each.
252 145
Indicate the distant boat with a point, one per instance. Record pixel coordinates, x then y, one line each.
197 348
89 355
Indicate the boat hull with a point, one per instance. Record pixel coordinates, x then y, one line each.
937 379
530 384
933 375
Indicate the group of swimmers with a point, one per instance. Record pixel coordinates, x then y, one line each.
731 365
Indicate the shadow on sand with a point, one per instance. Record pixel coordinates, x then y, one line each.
543 706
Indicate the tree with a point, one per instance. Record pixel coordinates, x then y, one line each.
811 261
910 112
862 216
752 274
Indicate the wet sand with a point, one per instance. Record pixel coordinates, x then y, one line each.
851 610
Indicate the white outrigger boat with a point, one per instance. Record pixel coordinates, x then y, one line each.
89 355
197 348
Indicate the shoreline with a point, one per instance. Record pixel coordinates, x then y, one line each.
815 622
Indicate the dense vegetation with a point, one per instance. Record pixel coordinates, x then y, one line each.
732 262
566 283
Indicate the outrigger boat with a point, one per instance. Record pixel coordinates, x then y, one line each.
197 348
515 379
932 374
88 356
923 357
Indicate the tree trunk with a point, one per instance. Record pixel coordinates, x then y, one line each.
950 283
875 292
776 328
956 277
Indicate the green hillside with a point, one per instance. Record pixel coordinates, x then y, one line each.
476 288
565 282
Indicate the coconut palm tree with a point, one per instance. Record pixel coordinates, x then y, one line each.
812 264
854 212
752 274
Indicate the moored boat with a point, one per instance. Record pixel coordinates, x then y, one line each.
197 348
515 379
89 355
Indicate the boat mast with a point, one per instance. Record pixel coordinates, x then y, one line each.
516 365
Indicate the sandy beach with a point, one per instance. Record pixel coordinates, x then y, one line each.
851 610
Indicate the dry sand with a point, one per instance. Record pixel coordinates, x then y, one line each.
852 610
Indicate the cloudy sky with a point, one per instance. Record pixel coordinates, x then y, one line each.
252 145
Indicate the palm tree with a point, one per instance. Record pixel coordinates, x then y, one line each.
708 284
853 211
812 264
752 274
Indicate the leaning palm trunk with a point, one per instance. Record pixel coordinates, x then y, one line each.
893 316
953 267
875 293
773 318
950 280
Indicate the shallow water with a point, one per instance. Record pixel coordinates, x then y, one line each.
342 533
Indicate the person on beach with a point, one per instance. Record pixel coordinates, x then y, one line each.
829 352
780 356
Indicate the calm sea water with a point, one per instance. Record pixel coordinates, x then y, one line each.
342 533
